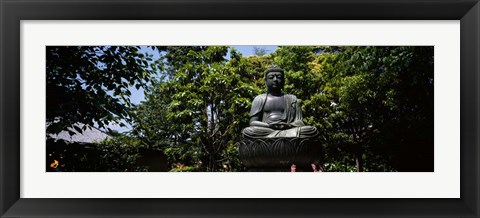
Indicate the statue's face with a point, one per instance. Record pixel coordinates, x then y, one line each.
274 81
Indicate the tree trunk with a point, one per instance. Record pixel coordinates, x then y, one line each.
212 163
359 160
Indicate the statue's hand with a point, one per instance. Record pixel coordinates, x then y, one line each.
280 125
258 123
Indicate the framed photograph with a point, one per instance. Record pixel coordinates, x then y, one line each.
436 174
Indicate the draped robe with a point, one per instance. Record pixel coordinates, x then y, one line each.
292 115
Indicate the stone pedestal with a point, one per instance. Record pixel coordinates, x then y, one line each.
278 154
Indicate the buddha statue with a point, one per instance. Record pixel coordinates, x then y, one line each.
276 114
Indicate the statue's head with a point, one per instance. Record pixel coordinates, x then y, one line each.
274 79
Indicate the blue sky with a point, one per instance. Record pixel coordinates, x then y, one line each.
247 50
138 95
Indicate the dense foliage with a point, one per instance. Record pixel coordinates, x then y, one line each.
112 155
373 105
90 84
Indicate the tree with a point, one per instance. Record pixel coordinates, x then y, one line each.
386 101
258 51
205 97
90 84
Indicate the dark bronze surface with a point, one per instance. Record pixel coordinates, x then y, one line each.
277 136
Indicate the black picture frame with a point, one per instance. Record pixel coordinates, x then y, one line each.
13 11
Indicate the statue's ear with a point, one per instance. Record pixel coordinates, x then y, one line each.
294 103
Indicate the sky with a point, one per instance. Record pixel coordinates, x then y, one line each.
138 96
247 50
